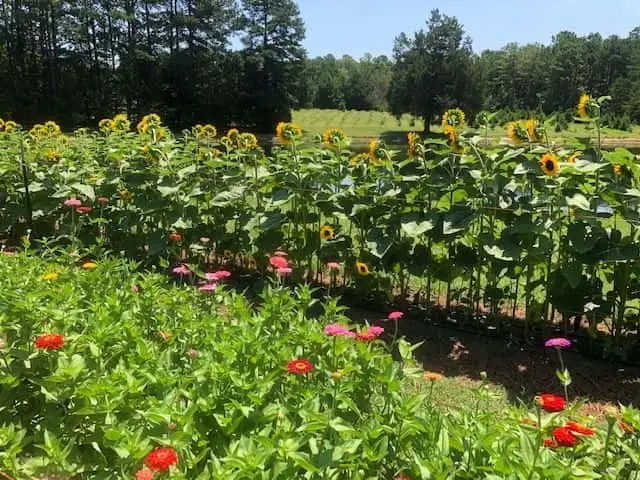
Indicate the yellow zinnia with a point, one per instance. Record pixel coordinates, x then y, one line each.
326 233
362 268
50 276
549 165
89 265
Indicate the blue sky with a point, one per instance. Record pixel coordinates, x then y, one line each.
355 27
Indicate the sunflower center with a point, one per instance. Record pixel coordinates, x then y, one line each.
549 165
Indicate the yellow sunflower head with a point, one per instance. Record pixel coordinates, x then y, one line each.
377 152
209 131
52 128
10 126
533 130
549 165
288 133
573 157
232 136
1 124
334 137
121 123
617 169
326 233
247 141
359 158
452 138
583 106
415 147
53 156
105 125
517 133
142 126
362 268
453 117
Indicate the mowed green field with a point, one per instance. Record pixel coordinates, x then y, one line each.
362 126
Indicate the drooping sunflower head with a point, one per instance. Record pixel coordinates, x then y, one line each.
247 141
209 131
1 124
549 165
334 137
454 117
288 133
362 268
534 130
573 157
326 233
52 128
10 126
359 158
517 133
377 152
105 125
583 106
233 135
121 123
415 148
149 123
452 138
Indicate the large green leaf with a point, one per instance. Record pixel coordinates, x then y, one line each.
413 226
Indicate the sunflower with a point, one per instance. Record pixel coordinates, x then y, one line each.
334 137
10 126
617 169
105 124
574 157
247 141
326 233
516 133
413 140
549 165
453 117
532 130
121 123
52 128
359 158
209 131
37 131
288 133
450 132
232 136
142 126
583 104
52 156
377 152
1 124
126 195
362 268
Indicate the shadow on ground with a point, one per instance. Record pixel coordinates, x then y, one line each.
523 372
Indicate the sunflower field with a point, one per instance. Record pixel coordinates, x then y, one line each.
523 229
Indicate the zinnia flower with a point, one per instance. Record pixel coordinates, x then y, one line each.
103 200
626 428
550 443
337 330
377 331
552 403
333 266
175 237
161 459
581 429
209 287
558 342
363 269
72 203
432 376
366 336
182 270
326 232
278 262
89 265
50 276
565 437
50 341
395 315
549 165
284 271
83 209
299 367
144 474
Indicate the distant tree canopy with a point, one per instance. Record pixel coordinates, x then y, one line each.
241 62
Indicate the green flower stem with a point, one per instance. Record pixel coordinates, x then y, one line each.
538 442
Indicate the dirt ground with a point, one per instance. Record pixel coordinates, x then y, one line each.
522 371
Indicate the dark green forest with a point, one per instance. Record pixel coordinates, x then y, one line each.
242 63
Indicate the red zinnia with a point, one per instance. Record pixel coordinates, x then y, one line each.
175 237
50 341
161 459
103 200
279 262
366 336
83 209
550 443
144 474
565 437
552 403
626 428
577 428
299 367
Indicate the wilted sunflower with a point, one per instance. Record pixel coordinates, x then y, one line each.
516 133
10 126
413 140
453 117
288 133
533 129
247 141
452 138
574 157
583 105
326 233
362 268
334 137
549 165
377 152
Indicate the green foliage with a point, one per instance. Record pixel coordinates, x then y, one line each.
163 364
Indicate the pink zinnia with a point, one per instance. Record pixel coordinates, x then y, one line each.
103 200
377 331
395 315
558 342
278 262
222 274
72 203
333 266
284 271
182 270
337 330
82 210
209 287
212 277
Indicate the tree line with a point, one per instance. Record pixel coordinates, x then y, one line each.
242 63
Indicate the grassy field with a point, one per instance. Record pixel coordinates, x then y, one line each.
362 126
